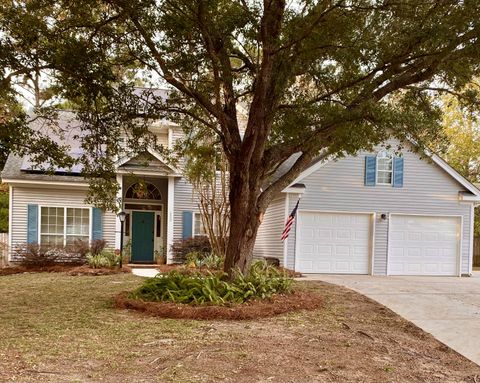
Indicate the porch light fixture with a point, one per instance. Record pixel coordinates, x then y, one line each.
121 216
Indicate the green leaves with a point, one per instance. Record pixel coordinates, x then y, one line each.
214 288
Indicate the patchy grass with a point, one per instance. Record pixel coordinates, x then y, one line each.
61 328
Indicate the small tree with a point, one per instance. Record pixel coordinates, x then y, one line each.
207 170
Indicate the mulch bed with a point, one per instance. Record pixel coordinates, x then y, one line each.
300 299
69 269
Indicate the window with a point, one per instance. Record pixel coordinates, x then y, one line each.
143 190
198 227
384 168
61 226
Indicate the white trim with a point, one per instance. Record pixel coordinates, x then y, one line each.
372 239
148 173
460 242
468 198
389 155
65 208
15 182
10 222
285 243
372 250
388 243
294 190
170 217
472 229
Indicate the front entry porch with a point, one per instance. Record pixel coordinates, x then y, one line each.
145 202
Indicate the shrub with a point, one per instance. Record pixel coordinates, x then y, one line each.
32 255
182 247
214 288
199 259
105 259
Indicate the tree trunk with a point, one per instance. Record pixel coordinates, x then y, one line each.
244 223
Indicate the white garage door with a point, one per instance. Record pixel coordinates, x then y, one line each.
423 245
333 243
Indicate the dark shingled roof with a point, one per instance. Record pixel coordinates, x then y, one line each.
64 132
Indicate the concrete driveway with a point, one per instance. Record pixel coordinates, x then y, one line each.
446 307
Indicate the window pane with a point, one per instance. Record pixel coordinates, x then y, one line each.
78 221
199 229
52 221
384 164
384 177
52 240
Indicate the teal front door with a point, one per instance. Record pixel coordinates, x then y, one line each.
142 236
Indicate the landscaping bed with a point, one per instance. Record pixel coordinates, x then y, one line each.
278 304
70 269
73 333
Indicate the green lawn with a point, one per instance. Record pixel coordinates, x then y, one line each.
60 328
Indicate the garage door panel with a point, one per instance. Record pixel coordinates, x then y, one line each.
423 245
340 243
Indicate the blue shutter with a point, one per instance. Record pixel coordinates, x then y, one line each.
397 172
32 222
97 227
370 170
187 231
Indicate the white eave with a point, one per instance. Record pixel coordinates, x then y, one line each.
45 184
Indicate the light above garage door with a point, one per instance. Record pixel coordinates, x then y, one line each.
338 243
424 245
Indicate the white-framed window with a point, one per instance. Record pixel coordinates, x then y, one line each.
198 227
61 226
384 168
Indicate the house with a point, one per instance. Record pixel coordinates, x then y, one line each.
374 213
50 208
380 213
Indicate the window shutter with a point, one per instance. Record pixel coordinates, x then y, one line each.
97 227
370 170
32 222
397 172
187 231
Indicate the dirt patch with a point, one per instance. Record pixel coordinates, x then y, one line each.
69 269
278 304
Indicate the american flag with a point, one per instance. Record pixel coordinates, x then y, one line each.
290 221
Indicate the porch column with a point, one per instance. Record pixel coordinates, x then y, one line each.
117 221
170 217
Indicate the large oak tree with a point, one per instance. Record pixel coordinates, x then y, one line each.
316 78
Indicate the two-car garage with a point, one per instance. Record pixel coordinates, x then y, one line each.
344 243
